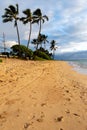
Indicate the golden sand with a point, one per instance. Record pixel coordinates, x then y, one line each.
46 95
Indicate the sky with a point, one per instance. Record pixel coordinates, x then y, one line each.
67 23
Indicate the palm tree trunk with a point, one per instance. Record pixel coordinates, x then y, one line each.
39 29
36 46
45 46
29 34
53 53
18 33
18 38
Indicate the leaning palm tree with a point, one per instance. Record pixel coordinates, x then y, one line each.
28 19
39 18
11 14
53 47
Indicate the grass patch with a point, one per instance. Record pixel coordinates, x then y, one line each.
42 55
0 60
38 58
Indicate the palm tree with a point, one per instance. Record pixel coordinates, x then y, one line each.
39 18
11 14
41 39
44 39
25 20
35 42
53 47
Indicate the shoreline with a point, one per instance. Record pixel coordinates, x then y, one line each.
77 67
40 95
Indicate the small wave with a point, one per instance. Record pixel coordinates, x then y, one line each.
79 66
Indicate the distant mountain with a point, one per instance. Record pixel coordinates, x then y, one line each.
72 56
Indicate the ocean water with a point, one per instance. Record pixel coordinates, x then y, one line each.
79 65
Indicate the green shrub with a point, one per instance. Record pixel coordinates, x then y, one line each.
45 51
38 58
42 55
21 51
0 60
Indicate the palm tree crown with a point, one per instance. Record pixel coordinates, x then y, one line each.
36 43
11 13
53 47
43 40
39 18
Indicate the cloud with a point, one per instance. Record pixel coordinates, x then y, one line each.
73 47
9 44
33 35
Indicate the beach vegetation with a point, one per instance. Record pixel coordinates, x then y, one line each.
5 54
53 47
36 43
42 55
42 39
45 51
0 60
24 51
38 58
40 43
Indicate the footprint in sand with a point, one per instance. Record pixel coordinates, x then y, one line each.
68 99
26 125
43 104
10 102
67 111
59 119
40 118
75 114
3 118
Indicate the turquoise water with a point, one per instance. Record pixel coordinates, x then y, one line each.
80 66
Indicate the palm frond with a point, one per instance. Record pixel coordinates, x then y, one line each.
7 10
47 41
13 9
22 18
43 20
25 21
35 21
37 12
17 9
27 12
46 17
5 16
34 41
7 20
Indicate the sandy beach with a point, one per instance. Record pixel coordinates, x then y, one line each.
42 95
